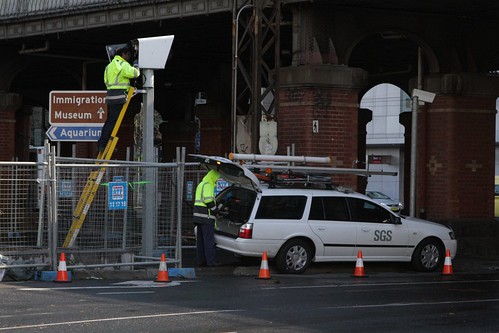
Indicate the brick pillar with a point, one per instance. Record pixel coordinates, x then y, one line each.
456 155
328 94
365 116
215 129
177 133
9 103
23 126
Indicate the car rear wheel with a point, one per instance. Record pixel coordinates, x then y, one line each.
294 257
429 255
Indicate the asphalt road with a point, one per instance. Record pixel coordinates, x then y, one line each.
396 301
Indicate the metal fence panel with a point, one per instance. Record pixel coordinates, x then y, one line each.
20 190
107 234
21 210
38 201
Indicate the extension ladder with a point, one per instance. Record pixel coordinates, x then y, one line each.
94 179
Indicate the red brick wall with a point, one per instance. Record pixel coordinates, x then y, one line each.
457 163
215 130
8 137
336 110
9 104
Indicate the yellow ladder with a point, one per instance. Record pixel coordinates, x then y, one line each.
94 179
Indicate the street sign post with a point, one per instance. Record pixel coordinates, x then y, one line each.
74 133
79 108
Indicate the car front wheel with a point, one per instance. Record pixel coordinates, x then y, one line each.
428 256
294 257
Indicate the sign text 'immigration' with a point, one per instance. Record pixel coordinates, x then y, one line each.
78 108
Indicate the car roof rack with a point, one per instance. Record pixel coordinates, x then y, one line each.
279 170
288 178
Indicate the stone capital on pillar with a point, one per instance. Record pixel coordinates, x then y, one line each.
460 84
337 76
10 101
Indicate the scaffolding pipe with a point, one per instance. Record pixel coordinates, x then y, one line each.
281 158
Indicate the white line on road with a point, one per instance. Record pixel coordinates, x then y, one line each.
120 285
346 285
413 304
159 315
27 314
126 292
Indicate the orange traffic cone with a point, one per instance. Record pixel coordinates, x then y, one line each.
163 271
264 267
447 264
62 272
359 266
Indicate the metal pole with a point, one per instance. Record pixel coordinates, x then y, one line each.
235 46
149 197
414 141
180 195
414 135
125 213
53 179
43 186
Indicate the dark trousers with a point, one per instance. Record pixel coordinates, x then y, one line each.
113 113
205 244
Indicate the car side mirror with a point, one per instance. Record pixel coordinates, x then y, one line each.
396 219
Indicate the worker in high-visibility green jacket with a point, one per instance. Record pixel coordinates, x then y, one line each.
204 217
117 79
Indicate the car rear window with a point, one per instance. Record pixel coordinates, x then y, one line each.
281 207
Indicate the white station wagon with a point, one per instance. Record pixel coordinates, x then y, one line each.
296 225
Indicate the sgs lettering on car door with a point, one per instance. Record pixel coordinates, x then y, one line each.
382 235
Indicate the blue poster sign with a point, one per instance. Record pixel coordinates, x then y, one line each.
189 190
221 185
117 195
65 189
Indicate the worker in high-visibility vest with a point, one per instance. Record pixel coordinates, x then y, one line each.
204 217
117 79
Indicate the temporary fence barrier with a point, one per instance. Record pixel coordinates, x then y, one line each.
38 201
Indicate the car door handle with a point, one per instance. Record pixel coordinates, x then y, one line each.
321 229
366 230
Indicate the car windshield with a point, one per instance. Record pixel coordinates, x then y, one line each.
377 195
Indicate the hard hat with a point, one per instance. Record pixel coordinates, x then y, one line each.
125 48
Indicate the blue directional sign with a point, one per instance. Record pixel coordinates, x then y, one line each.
74 133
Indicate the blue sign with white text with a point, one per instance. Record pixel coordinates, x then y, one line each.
221 185
117 195
74 133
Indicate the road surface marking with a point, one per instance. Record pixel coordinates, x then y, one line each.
119 285
126 292
413 304
346 285
89 321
